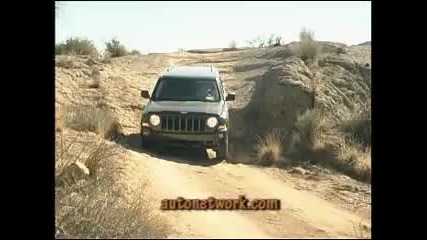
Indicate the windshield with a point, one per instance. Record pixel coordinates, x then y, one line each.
178 89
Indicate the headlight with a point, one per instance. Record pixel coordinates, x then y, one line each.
212 122
154 120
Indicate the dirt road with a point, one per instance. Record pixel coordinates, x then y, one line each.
192 175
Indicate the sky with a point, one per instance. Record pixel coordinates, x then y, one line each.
168 26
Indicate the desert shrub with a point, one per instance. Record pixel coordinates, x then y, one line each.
354 160
307 49
76 46
60 48
308 127
257 42
358 126
135 52
115 48
269 148
274 41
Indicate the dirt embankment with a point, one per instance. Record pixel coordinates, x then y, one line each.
271 88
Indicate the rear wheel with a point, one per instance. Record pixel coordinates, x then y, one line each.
222 150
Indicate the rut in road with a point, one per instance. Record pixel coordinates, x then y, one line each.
302 214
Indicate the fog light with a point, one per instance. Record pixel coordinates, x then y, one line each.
221 135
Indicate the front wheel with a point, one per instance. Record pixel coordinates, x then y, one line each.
145 143
222 150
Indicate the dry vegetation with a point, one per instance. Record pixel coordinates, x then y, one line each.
269 148
116 49
92 119
90 201
343 145
83 46
76 46
271 41
308 49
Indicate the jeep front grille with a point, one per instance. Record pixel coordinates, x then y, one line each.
183 123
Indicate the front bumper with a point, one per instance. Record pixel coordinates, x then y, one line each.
182 139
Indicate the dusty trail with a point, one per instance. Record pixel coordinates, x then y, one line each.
302 213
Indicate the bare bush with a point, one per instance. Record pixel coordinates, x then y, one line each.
274 41
260 42
308 48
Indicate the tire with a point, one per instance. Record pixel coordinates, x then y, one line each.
222 150
145 143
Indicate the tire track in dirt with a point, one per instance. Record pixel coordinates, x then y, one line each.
303 214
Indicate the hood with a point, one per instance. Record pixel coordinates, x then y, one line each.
190 106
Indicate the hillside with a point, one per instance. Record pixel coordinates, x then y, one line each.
322 177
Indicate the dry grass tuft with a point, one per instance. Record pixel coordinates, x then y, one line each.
309 126
66 62
355 160
269 148
315 140
93 119
358 126
91 153
97 210
99 207
308 48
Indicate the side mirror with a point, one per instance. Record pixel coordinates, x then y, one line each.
145 94
230 97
